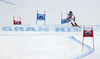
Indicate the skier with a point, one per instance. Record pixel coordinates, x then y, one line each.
71 18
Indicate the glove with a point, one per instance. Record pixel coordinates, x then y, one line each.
74 18
69 20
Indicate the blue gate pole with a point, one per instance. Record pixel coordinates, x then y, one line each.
37 17
45 17
61 16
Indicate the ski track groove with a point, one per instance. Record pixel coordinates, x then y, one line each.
7 2
84 55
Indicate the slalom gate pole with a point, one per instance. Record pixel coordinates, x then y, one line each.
13 21
82 43
20 18
61 17
87 35
93 39
83 38
45 17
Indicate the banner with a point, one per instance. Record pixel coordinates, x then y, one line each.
64 21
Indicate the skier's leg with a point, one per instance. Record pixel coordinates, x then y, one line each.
76 24
72 22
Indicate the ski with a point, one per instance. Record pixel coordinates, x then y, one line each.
76 26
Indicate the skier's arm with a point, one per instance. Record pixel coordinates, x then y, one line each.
67 15
74 17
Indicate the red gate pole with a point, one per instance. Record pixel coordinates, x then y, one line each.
13 20
20 20
13 17
82 43
83 38
93 43
93 39
86 35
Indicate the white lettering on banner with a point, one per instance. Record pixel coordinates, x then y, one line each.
43 29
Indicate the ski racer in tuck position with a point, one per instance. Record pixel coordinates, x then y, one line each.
71 18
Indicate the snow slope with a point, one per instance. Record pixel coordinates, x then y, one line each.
41 47
51 44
